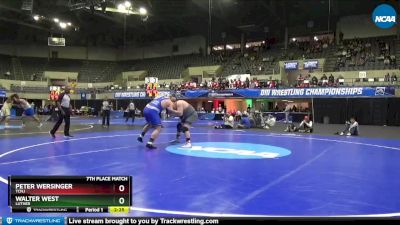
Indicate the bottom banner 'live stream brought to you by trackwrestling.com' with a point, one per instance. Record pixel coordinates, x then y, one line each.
174 220
105 220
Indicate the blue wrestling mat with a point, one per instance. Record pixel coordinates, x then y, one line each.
251 173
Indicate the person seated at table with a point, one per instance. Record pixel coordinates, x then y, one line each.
228 123
238 115
202 110
244 121
269 121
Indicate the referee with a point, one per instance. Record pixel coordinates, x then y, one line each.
64 113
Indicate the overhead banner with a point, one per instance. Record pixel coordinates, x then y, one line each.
328 92
3 93
273 93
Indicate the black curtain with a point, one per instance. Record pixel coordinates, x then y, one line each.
367 111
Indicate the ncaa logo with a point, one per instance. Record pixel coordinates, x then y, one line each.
380 91
384 16
9 220
230 150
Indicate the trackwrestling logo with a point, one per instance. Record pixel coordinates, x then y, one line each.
384 16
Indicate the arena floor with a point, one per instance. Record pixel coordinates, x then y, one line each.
227 173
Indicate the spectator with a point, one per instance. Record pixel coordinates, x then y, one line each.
287 112
244 122
271 83
393 78
314 81
331 80
306 126
220 109
228 123
340 80
351 128
300 80
324 80
387 77
202 110
247 82
269 121
238 115
248 108
386 60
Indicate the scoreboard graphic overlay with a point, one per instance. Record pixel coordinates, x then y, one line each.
87 194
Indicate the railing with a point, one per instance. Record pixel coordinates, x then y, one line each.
351 82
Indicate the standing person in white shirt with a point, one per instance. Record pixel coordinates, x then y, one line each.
106 108
287 112
64 113
131 112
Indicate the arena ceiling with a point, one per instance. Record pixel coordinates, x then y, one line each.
172 18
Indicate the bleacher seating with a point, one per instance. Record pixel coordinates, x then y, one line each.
98 71
364 54
64 65
169 67
5 66
32 66
256 61
27 89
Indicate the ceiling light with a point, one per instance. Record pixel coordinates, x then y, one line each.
69 24
63 25
36 17
56 20
127 4
142 11
293 39
121 7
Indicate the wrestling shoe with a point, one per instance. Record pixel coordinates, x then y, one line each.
140 139
150 146
187 145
